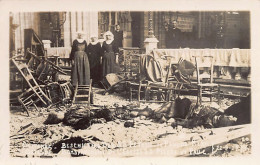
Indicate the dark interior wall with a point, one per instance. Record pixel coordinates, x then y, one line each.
203 29
136 27
50 28
238 30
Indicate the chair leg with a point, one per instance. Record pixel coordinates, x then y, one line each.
218 94
210 91
147 94
130 93
159 95
199 96
139 93
167 94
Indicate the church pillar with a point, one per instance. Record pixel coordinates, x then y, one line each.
150 42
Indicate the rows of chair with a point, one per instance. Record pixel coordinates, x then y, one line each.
145 86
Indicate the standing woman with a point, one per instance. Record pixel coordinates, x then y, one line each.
94 56
109 59
80 72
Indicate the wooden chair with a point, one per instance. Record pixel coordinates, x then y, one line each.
205 83
134 81
180 78
34 93
83 94
44 70
149 91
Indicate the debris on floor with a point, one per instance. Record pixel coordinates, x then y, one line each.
118 125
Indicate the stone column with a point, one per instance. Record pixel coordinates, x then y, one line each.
67 28
150 43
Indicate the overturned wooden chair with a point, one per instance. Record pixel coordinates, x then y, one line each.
35 93
83 94
112 81
180 79
44 70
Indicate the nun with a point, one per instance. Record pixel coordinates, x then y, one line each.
109 61
94 56
80 71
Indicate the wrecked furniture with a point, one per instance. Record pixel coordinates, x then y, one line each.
33 42
45 70
111 81
54 91
180 78
152 81
129 61
83 94
205 83
34 93
37 62
157 81
67 92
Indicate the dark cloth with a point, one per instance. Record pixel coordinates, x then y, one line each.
168 38
118 39
151 69
94 56
186 68
174 40
108 58
80 72
241 110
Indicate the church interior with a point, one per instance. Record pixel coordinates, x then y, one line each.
167 92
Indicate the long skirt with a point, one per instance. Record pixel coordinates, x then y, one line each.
108 63
80 73
96 73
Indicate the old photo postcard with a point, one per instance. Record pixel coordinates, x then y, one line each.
129 82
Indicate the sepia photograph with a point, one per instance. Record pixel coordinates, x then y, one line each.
114 83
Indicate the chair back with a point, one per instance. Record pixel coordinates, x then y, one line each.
134 61
168 68
207 64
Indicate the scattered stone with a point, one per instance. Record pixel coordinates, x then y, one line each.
129 124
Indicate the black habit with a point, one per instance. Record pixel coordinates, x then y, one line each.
80 72
118 39
94 56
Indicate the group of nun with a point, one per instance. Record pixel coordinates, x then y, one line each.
94 60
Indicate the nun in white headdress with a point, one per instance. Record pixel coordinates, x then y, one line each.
108 54
80 71
94 56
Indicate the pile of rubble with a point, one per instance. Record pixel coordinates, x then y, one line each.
113 128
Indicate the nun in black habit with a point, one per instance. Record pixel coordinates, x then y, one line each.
80 72
94 56
109 58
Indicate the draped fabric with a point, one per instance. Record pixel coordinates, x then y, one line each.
151 69
222 57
